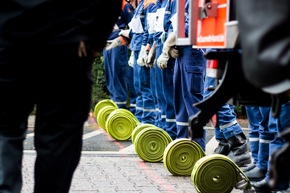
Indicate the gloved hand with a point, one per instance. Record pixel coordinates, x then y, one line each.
119 41
162 60
142 56
173 52
168 48
131 59
151 56
125 33
169 45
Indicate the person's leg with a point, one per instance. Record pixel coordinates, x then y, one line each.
189 85
108 72
119 65
266 136
231 129
148 107
16 102
278 125
260 117
170 126
154 95
179 104
131 89
234 134
63 104
159 92
254 117
139 100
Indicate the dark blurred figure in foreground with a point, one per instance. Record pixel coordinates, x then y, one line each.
46 53
265 42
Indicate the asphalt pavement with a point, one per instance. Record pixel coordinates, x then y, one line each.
111 166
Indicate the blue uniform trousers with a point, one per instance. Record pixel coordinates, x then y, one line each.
227 125
132 91
116 67
280 124
153 90
167 105
159 92
188 76
260 134
145 105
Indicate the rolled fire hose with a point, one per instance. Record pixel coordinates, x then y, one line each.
218 173
139 128
181 155
120 124
150 144
104 114
103 103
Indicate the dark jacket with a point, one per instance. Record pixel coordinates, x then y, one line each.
29 22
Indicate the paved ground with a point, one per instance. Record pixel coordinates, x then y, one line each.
114 167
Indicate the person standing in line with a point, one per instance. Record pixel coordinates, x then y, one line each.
130 73
275 126
189 72
151 60
188 77
164 74
260 137
145 106
146 76
116 62
47 50
228 132
149 55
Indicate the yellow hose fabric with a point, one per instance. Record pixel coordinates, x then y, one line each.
181 155
103 103
150 144
217 173
120 124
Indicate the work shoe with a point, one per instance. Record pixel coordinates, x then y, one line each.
262 186
239 152
223 147
240 155
256 174
248 167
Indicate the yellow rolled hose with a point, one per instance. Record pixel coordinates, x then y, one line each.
181 155
217 173
139 128
120 124
103 103
150 144
104 114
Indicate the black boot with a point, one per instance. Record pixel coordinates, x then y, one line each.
262 186
223 147
239 153
248 167
256 174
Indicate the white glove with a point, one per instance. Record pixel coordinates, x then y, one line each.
142 55
162 60
119 41
173 52
151 56
131 60
168 48
169 45
125 33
